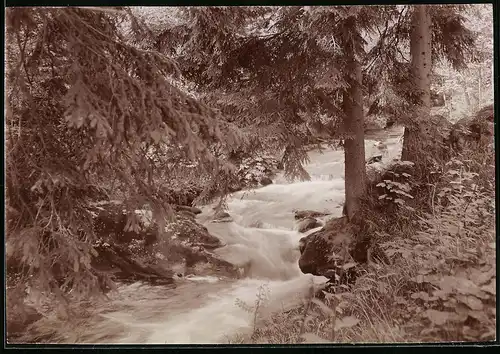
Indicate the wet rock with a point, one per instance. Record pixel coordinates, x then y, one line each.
222 216
389 124
256 170
373 159
265 181
203 262
317 248
125 266
190 209
335 251
145 254
257 224
191 233
308 224
303 214
192 243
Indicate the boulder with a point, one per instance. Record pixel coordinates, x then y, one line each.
193 244
335 252
138 253
266 181
127 266
190 209
202 262
191 233
317 248
257 224
222 216
308 224
303 214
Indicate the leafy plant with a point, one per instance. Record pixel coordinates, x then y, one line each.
261 300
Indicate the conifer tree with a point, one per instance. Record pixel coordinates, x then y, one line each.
87 106
295 65
412 42
421 66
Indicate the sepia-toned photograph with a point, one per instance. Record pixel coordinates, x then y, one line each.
250 175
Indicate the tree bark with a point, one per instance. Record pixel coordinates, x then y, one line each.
354 146
479 91
421 66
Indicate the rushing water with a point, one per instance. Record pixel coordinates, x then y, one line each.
262 238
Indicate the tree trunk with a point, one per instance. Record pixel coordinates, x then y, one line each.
354 146
421 65
463 82
479 91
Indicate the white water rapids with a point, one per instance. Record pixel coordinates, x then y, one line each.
204 310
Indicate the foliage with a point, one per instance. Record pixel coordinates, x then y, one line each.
262 297
438 234
388 75
253 75
395 191
440 285
456 252
472 88
272 69
87 106
251 170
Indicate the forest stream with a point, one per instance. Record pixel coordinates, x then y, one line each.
262 237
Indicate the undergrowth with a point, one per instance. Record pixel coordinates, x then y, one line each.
440 285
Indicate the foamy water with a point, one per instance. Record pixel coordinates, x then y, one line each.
262 238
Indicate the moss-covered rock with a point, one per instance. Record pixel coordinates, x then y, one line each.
132 251
337 250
